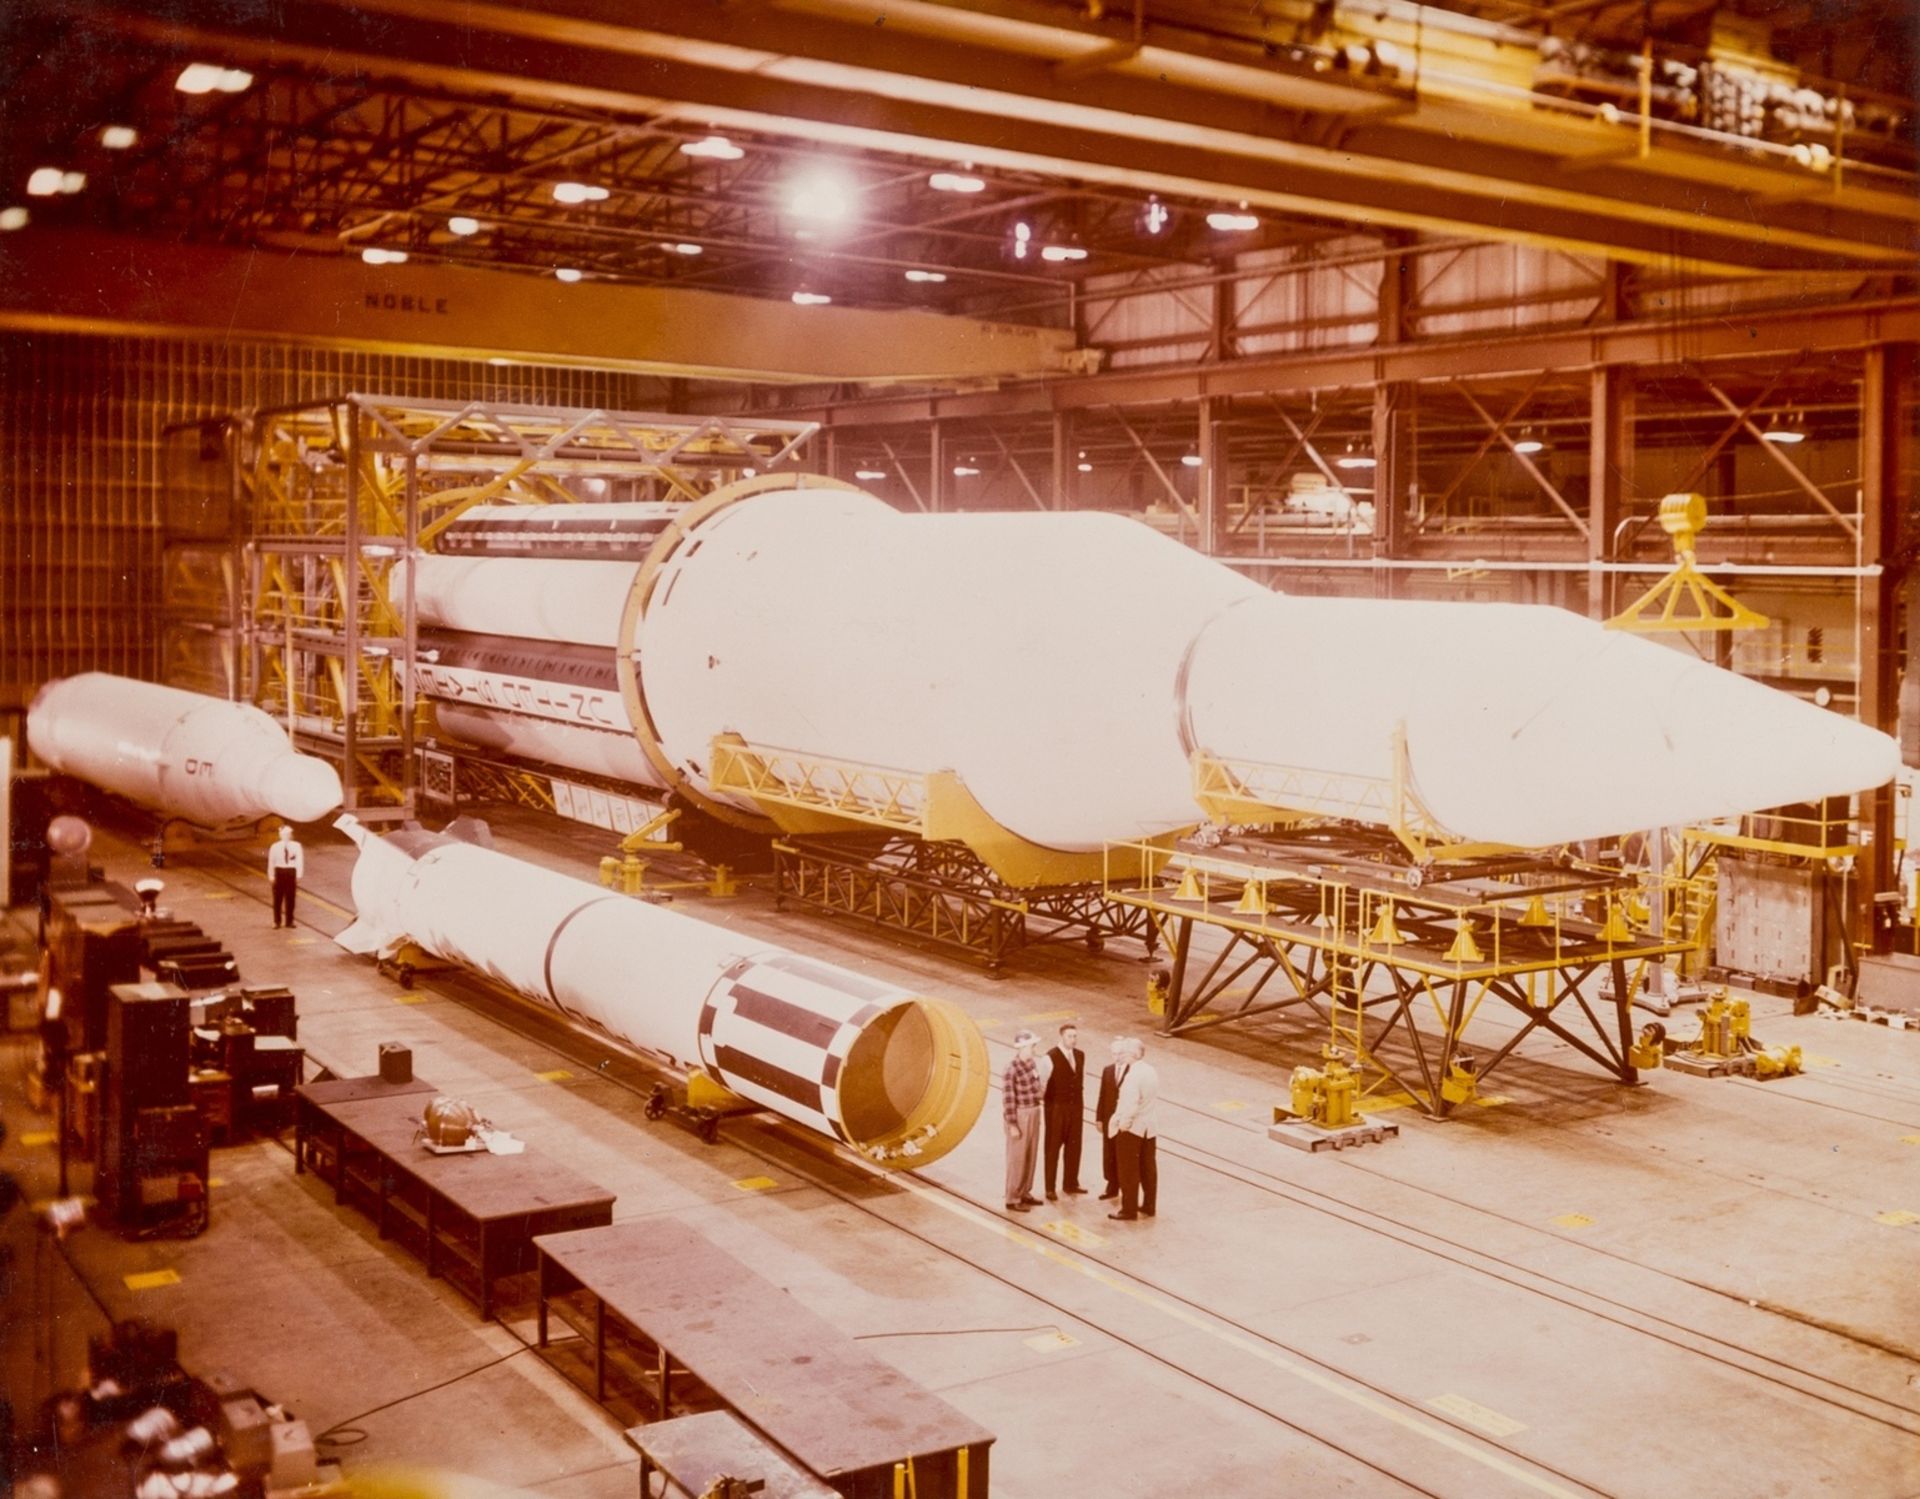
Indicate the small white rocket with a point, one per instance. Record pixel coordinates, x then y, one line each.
898 1076
187 755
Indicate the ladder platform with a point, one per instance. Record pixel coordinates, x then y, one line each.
1303 1135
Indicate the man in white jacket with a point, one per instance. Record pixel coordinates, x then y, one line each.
1135 1134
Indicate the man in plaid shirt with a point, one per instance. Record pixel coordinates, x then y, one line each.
1020 1108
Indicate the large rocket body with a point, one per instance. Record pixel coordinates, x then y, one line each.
191 756
898 1076
1067 665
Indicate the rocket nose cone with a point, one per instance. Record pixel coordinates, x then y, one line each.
1630 735
302 788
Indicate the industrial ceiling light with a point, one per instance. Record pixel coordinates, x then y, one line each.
1058 253
956 182
118 137
47 181
13 218
1022 238
1529 445
684 248
578 192
1190 460
567 273
1086 468
461 225
714 148
811 299
822 194
499 360
926 275
207 78
869 474
1230 221
1155 216
965 471
1787 432
376 255
1353 458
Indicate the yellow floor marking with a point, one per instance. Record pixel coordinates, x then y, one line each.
755 1183
1330 1383
216 895
1492 1101
1574 1220
1897 1218
303 941
215 1181
1491 1422
1384 1102
1910 1139
1073 1233
39 1137
558 1075
1051 1342
1049 1015
151 1280
1231 1105
1813 1061
410 999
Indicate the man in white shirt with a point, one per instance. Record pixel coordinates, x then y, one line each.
286 863
1135 1134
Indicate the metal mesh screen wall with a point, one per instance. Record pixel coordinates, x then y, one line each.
81 470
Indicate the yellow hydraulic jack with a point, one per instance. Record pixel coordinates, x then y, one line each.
1725 1046
1324 1112
628 871
1462 1082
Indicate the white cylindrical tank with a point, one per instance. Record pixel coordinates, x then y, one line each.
898 1076
1066 665
182 753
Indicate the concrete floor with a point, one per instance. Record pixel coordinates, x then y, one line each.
1695 1287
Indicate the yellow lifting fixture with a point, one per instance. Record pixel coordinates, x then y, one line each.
1657 611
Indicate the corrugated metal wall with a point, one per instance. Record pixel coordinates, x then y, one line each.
81 419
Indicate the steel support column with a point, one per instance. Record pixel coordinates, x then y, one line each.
1396 476
1212 495
1886 397
1609 474
1066 468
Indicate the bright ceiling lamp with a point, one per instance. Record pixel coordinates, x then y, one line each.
375 255
684 248
926 275
822 195
118 137
567 273
47 181
956 182
1155 216
1191 460
869 474
965 471
1353 458
1058 253
1786 432
461 225
1528 443
206 78
1086 468
578 192
13 218
1022 237
1228 221
811 299
713 148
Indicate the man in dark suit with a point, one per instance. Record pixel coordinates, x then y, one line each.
1064 1110
1103 1111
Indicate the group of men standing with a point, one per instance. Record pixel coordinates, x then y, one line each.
1044 1103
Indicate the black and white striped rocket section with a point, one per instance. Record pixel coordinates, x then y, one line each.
897 1076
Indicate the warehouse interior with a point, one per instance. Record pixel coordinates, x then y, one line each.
621 625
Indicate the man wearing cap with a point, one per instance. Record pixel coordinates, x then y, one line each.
1020 1098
